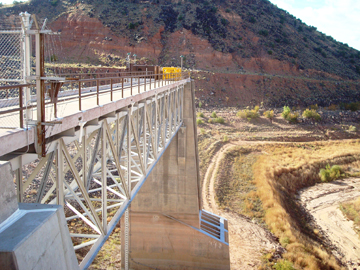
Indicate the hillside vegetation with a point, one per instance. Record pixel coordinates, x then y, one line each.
244 29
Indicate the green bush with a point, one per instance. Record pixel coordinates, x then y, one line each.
286 112
283 265
269 115
200 104
200 114
54 2
330 173
312 114
264 33
289 116
352 128
226 139
219 120
249 114
211 121
199 122
213 115
293 117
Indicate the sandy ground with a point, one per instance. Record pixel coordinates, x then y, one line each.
248 241
322 201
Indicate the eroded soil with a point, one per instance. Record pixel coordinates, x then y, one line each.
322 202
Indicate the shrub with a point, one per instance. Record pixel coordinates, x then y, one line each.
202 131
227 10
132 25
264 33
352 129
219 120
283 265
199 122
249 114
286 112
269 115
200 104
293 117
211 121
213 115
200 114
289 116
252 20
330 173
315 107
225 22
226 139
354 106
270 52
312 114
332 107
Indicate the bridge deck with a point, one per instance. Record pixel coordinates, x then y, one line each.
69 114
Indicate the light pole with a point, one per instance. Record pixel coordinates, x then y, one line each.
128 60
181 57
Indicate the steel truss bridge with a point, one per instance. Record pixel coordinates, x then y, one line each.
95 166
85 146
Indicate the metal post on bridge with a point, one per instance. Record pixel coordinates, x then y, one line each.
25 19
40 89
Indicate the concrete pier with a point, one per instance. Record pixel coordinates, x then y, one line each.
166 230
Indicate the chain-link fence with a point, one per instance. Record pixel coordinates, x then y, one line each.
11 57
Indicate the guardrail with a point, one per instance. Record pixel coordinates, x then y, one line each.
13 105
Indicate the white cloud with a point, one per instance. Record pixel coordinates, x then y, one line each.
339 19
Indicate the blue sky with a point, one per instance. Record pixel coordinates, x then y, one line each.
339 19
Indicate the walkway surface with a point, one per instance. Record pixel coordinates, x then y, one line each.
68 105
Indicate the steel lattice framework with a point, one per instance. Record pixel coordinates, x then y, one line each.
96 172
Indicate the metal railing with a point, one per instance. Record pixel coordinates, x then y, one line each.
99 91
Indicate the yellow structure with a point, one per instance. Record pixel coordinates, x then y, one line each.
171 73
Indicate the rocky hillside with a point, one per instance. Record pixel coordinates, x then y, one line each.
242 37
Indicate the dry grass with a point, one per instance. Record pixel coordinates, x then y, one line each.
235 187
278 175
352 211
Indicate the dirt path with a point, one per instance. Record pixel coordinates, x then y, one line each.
248 241
322 201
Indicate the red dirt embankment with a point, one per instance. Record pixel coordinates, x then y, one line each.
252 89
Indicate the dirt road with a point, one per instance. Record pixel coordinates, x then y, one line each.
248 241
322 201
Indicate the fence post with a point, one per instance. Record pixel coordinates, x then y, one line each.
111 90
79 96
122 87
97 92
21 107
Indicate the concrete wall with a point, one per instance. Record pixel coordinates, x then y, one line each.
8 199
37 238
32 236
173 189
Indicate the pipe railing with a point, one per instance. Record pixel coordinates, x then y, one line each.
87 88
